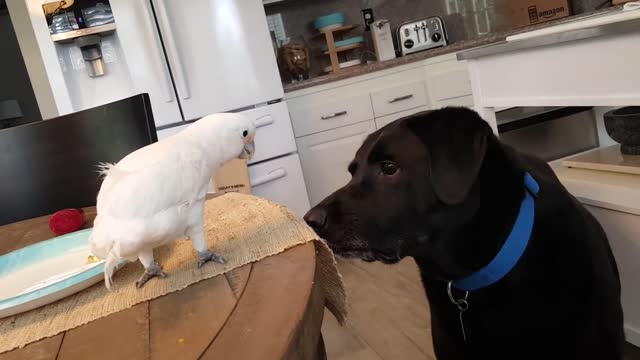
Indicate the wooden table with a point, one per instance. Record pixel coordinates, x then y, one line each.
271 309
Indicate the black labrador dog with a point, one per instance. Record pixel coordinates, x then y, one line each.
440 187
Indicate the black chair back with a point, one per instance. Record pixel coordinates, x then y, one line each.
50 165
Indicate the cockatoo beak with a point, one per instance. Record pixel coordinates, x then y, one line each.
248 150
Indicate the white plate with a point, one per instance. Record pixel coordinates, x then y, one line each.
45 272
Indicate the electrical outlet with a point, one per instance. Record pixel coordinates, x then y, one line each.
367 16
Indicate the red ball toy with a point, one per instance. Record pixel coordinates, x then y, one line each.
66 221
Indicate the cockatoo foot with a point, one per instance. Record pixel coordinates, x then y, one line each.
205 257
153 271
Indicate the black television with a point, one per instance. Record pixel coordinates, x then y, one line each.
51 165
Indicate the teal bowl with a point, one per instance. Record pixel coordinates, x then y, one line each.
329 21
350 41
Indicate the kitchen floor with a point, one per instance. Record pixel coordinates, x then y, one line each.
388 315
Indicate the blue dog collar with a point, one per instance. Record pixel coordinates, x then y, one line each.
513 247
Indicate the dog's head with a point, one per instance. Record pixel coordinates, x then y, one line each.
411 180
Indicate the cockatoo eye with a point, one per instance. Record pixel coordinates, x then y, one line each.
245 133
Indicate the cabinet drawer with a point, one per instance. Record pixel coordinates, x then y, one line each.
274 135
465 101
449 84
281 181
385 120
399 98
325 157
328 110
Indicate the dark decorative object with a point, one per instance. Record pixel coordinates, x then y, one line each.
294 60
623 125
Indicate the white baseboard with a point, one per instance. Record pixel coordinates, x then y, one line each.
632 334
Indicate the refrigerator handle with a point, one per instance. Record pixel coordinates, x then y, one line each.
172 50
168 89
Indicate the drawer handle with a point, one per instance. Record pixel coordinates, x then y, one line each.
274 175
331 116
264 121
400 98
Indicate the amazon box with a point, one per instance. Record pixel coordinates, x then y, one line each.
531 12
232 177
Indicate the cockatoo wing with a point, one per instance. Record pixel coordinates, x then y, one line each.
153 179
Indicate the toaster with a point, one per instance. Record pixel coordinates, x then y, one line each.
422 34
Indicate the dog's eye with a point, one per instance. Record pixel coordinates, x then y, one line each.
388 168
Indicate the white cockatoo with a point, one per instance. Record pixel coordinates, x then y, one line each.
156 194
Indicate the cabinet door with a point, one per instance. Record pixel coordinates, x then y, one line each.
448 80
325 157
143 52
274 135
281 181
329 110
464 101
220 53
403 97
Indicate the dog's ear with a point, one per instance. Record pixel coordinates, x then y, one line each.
456 142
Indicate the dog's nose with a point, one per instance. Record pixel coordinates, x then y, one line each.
316 218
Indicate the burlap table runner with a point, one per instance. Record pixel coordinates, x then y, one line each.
242 228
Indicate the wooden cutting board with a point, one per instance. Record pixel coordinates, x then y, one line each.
605 159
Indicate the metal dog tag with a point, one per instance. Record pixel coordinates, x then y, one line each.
462 305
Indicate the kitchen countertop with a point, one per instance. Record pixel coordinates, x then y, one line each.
625 22
483 41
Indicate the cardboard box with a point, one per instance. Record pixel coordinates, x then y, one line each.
531 12
232 177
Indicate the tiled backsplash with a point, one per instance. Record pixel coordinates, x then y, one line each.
464 19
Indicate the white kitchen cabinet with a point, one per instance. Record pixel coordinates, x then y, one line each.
464 101
325 157
385 120
274 135
329 110
448 80
274 167
399 98
220 54
331 121
281 181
